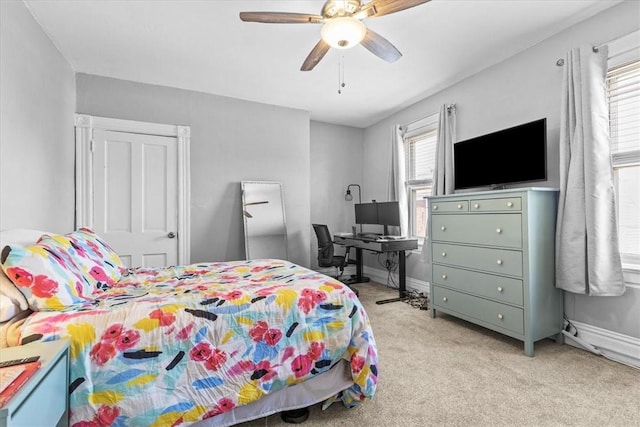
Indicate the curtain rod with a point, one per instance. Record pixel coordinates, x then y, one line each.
598 46
560 62
595 48
406 125
417 120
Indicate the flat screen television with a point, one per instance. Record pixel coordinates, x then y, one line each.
514 155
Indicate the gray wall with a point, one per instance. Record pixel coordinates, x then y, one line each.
231 140
36 131
234 140
336 162
522 88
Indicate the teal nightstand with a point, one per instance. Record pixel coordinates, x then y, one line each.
44 399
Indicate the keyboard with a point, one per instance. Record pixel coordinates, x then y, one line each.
372 236
376 236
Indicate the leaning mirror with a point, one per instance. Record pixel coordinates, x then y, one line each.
265 231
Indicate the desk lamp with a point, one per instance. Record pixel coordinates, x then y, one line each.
348 197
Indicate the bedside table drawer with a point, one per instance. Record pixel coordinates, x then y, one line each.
47 402
492 260
503 289
492 230
501 315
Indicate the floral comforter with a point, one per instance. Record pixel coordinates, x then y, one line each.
174 345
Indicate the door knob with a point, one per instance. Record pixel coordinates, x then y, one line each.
171 235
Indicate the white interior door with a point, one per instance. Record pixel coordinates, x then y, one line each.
135 196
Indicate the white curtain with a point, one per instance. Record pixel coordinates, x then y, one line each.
397 190
587 252
443 172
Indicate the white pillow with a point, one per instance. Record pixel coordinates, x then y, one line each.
12 301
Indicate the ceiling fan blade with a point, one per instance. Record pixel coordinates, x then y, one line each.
281 18
380 46
317 53
385 7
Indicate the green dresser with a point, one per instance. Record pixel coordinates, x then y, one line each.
492 261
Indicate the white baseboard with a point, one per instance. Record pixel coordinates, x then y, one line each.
612 345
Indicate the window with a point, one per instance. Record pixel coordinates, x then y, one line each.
420 159
623 91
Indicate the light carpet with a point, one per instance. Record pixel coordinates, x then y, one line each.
448 372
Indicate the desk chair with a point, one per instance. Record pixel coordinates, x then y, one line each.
326 256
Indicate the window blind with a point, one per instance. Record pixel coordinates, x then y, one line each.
421 156
623 91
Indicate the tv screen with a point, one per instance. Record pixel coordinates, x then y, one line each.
514 155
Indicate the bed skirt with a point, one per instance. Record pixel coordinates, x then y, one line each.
313 391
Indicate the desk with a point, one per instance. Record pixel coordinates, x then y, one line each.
373 245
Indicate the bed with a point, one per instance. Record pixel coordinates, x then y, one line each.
207 344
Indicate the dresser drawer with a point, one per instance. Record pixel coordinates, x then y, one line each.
512 204
450 206
48 402
503 289
501 315
487 229
492 260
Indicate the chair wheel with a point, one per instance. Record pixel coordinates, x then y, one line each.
295 416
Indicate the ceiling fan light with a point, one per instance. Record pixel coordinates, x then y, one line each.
343 33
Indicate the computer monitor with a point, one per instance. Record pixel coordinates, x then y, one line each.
366 213
389 213
383 213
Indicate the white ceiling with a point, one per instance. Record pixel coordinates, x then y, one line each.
203 46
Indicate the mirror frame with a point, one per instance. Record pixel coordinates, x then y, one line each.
244 217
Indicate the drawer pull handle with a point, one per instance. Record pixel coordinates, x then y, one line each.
444 299
500 316
459 206
444 254
435 207
500 289
444 277
476 205
498 230
499 262
510 204
443 228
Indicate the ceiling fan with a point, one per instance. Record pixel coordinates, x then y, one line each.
342 26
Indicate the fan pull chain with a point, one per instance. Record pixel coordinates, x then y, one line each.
340 75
